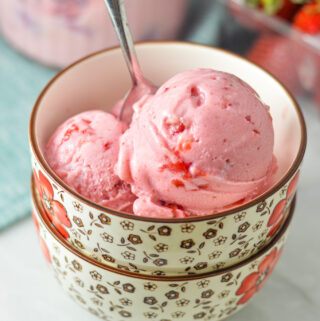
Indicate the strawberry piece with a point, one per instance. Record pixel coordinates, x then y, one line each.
177 183
308 18
274 53
68 133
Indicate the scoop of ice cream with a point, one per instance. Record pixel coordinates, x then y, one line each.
83 152
201 144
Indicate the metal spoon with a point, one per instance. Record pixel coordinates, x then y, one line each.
140 85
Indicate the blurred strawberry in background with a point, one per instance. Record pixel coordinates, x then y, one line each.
274 53
308 18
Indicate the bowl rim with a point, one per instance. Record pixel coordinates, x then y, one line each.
60 239
45 166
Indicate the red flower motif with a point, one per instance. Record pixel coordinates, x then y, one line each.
35 221
43 245
55 211
279 211
256 280
45 250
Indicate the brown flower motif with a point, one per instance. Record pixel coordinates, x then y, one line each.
257 226
161 247
244 254
77 265
128 288
79 244
77 206
125 301
172 295
160 262
164 230
55 261
234 252
79 282
108 258
106 237
127 225
102 289
219 265
230 302
223 294
199 315
187 244
93 311
186 260
104 219
78 221
125 314
134 239
128 255
80 299
178 314
201 265
149 286
96 275
207 294
150 315
220 240
182 302
187 228
261 206
203 284
97 302
214 255
150 300
243 227
226 277
159 273
239 217
210 233
123 267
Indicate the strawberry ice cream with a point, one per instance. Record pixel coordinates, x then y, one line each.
83 152
203 143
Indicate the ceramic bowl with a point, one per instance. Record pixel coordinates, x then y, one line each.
120 295
163 246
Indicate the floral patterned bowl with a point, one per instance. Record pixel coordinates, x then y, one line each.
119 295
163 246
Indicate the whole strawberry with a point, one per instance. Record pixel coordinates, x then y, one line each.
308 18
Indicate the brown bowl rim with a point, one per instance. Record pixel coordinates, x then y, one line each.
60 239
38 155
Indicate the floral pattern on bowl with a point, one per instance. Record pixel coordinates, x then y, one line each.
114 295
164 249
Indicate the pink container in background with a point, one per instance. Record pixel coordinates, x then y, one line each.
57 33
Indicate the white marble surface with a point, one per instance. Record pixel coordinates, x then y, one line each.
29 292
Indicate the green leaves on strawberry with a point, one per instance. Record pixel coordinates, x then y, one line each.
282 8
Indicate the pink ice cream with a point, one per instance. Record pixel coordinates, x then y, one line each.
203 143
83 152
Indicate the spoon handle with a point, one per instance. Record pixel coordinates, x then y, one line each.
118 15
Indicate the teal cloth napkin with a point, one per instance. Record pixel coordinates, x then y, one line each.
21 80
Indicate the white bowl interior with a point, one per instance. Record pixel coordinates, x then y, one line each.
99 82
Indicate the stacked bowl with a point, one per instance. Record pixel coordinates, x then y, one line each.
120 266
